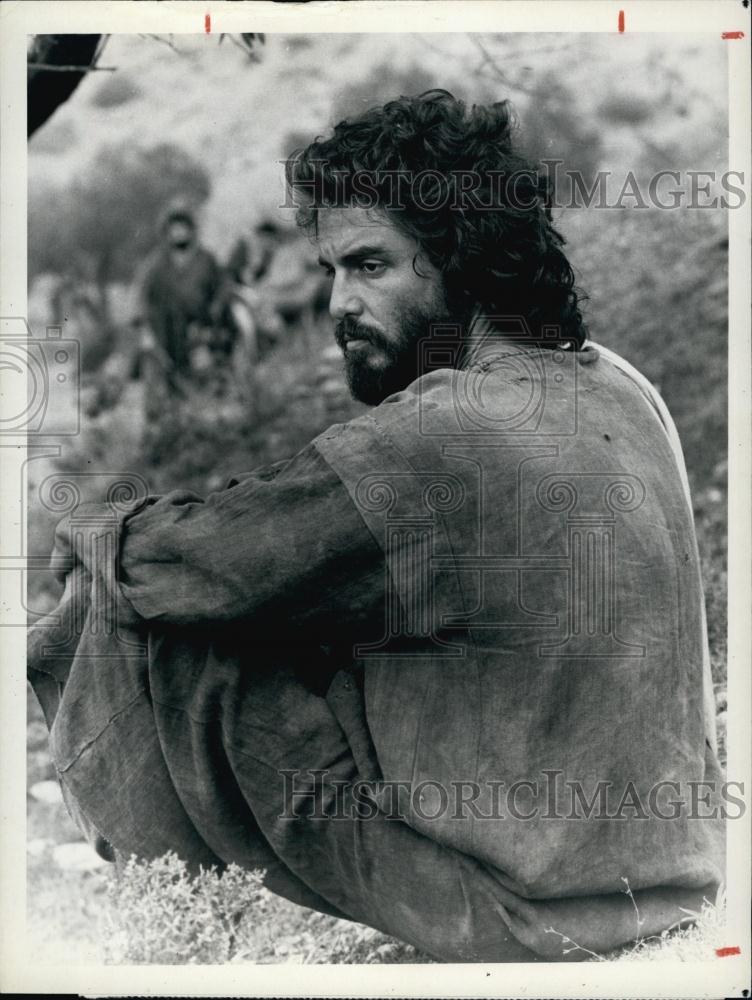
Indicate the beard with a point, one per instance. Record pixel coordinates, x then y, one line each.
399 358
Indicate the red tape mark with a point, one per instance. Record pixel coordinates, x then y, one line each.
207 23
732 34
621 20
723 952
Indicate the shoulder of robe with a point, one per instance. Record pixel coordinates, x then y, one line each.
408 425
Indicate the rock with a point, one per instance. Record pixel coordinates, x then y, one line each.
47 792
37 846
77 857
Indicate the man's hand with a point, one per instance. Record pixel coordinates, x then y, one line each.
56 628
85 558
72 533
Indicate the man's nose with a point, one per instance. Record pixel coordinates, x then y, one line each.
343 300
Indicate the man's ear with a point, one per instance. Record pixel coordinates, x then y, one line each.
421 265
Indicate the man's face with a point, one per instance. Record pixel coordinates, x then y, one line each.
180 235
384 296
266 240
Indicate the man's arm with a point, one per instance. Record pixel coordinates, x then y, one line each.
287 542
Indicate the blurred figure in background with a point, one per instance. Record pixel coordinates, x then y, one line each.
254 309
186 330
253 314
274 278
268 236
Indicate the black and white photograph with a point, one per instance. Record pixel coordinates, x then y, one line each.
376 496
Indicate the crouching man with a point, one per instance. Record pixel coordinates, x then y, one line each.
443 672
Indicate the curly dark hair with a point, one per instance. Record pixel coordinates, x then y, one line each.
480 211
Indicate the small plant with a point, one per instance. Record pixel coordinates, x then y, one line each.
162 915
694 937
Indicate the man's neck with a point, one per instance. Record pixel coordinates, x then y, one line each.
486 339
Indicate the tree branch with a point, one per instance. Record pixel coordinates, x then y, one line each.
50 67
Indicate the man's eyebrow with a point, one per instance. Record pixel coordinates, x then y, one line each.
358 253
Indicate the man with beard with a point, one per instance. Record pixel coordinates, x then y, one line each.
443 672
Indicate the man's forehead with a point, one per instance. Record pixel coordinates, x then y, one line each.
342 230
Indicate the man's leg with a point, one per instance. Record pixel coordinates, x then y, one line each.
229 731
192 756
94 695
242 743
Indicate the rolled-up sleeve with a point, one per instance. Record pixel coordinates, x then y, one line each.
288 541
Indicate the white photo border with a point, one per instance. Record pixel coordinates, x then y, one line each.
723 977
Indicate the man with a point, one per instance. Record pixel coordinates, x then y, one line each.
441 672
181 305
276 286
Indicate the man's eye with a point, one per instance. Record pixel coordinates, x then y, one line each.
372 267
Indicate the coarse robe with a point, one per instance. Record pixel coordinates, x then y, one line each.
444 672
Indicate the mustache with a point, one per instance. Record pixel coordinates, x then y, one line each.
351 329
